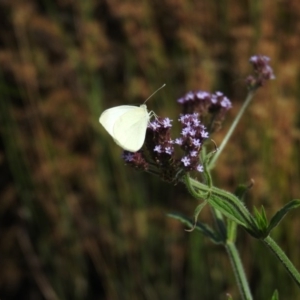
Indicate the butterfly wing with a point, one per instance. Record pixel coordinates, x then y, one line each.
130 128
109 117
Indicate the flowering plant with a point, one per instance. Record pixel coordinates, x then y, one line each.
176 159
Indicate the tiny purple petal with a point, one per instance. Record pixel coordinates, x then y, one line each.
154 125
196 142
214 99
157 149
197 122
189 96
200 168
204 134
194 153
226 103
178 141
202 95
185 131
167 123
253 59
192 132
169 150
186 161
128 156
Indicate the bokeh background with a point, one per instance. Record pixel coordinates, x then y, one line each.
75 223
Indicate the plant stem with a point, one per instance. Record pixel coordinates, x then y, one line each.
230 131
229 245
271 244
238 269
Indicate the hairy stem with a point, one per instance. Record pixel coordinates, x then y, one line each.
271 244
238 269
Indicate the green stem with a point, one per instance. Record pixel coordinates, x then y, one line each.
233 254
230 131
238 269
271 244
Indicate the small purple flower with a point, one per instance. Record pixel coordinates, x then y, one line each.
200 168
181 100
154 125
204 134
189 96
226 103
194 153
259 59
197 122
166 123
127 156
158 149
186 161
185 131
192 132
214 99
178 141
196 142
202 95
169 150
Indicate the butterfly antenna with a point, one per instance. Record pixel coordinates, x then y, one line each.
154 93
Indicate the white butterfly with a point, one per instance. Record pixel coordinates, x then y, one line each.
127 124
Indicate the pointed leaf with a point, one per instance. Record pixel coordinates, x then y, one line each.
275 295
261 218
203 228
229 209
282 212
196 214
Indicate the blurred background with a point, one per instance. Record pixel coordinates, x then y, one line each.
75 222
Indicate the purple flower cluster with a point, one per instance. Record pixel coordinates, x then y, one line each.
207 105
171 158
193 135
262 70
167 157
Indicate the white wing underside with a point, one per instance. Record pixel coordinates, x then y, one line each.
109 117
127 125
130 129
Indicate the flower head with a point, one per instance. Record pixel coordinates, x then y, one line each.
163 153
262 71
210 107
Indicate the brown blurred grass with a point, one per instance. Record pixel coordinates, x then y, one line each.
75 222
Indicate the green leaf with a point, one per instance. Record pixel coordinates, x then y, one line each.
240 193
275 295
228 208
205 229
236 212
196 214
282 212
261 219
